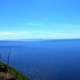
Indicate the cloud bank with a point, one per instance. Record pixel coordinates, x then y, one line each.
39 35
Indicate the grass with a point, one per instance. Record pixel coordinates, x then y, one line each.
18 74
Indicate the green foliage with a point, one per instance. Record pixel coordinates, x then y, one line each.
18 74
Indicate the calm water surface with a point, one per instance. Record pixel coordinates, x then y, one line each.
44 60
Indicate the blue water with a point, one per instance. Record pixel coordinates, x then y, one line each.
44 60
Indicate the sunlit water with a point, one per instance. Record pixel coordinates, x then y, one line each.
44 60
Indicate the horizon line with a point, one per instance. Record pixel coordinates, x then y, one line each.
38 39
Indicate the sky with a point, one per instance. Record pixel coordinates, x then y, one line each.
39 19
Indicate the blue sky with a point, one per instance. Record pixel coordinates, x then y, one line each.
39 19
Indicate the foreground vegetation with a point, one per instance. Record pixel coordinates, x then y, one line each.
18 74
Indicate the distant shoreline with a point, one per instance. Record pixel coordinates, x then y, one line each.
33 40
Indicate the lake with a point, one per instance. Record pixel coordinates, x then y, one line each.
45 59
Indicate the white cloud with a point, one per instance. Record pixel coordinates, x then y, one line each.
7 33
34 24
39 34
